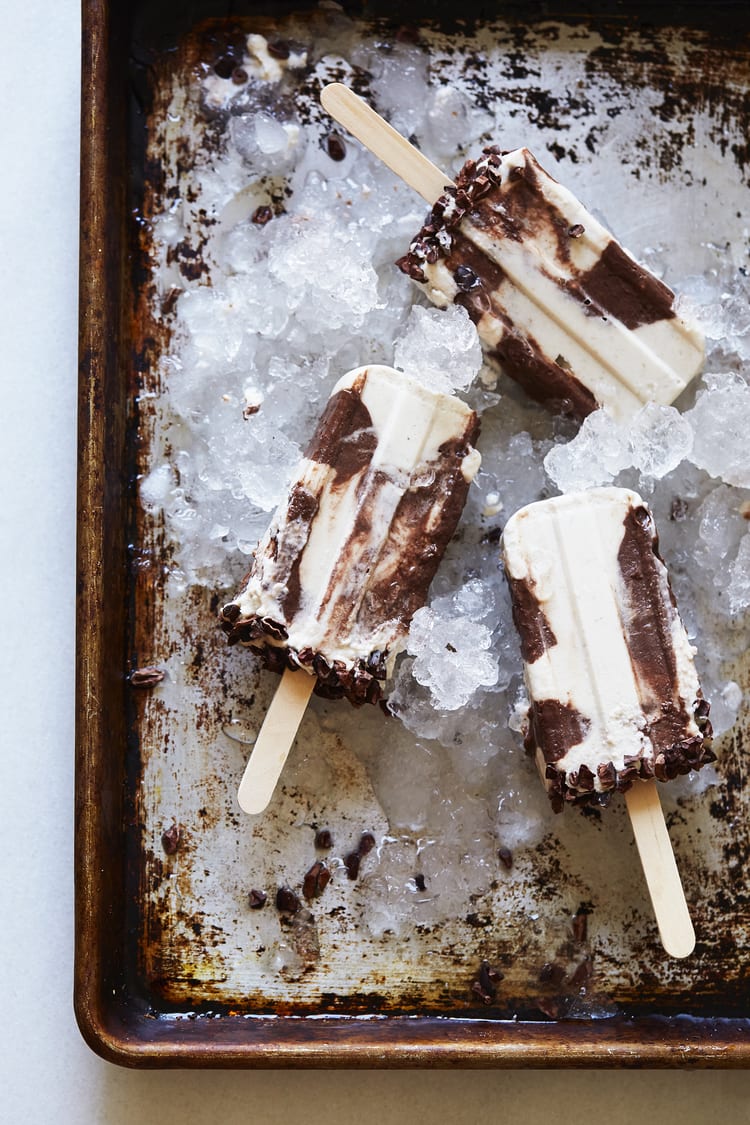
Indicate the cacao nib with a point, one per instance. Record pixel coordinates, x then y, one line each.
279 49
335 147
171 838
262 215
287 901
146 677
466 279
316 880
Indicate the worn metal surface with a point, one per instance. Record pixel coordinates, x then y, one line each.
173 964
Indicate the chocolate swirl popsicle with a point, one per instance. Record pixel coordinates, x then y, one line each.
559 305
608 665
350 555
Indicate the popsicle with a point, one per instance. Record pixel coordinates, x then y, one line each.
349 556
615 702
559 305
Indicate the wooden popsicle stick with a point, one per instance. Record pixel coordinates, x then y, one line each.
274 741
380 138
660 868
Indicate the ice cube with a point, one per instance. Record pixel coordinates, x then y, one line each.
440 347
660 438
738 590
721 422
453 657
598 452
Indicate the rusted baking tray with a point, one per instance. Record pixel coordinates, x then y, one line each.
174 966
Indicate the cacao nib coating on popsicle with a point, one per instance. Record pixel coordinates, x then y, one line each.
691 753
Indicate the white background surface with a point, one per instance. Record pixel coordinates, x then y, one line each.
47 1074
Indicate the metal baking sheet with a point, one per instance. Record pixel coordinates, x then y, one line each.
173 966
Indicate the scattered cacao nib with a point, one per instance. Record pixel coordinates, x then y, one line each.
279 49
262 215
505 855
407 34
170 839
485 985
582 973
419 883
169 302
351 863
147 677
745 509
477 989
551 973
552 1006
576 231
494 535
581 925
316 880
287 901
478 921
257 899
678 509
239 75
353 859
334 146
323 839
250 409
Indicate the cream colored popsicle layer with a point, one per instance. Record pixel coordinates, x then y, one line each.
559 305
349 557
609 669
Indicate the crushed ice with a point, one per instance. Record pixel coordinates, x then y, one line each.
441 348
286 305
654 443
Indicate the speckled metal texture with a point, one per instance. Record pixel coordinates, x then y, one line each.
173 950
